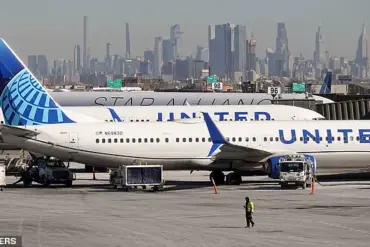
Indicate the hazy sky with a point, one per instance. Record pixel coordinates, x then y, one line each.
53 27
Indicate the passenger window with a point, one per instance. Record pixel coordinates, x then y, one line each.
166 139
197 139
247 139
271 139
133 140
203 139
338 138
277 139
357 138
115 140
209 139
157 139
145 140
254 139
234 139
301 139
333 138
142 120
103 140
240 139
151 140
351 138
127 140
97 140
121 140
190 139
131 120
147 120
265 139
137 120
177 139
109 140
227 139
139 140
183 139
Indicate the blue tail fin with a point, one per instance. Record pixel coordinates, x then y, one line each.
326 84
23 99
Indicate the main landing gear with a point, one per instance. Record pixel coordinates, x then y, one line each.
231 179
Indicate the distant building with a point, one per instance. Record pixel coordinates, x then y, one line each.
42 65
168 51
202 54
158 57
32 64
183 69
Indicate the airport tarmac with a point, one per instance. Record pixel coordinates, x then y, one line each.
186 214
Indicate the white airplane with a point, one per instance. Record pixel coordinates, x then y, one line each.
173 113
35 122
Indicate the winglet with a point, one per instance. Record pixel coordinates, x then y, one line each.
114 115
215 134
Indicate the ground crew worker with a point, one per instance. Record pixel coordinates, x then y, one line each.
249 209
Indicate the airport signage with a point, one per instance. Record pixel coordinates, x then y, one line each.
274 90
218 116
318 136
211 79
299 87
217 86
114 83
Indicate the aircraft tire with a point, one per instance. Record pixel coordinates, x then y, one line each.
233 179
218 177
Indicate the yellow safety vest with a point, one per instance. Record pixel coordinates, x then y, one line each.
250 207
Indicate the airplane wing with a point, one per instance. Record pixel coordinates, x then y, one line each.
16 131
231 151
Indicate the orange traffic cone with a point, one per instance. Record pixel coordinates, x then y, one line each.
215 187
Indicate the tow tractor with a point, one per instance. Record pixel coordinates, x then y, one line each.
47 171
296 171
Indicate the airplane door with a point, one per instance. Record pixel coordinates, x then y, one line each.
73 140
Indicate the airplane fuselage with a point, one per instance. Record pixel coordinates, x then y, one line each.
186 145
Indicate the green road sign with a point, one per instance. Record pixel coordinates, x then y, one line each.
211 79
114 83
299 87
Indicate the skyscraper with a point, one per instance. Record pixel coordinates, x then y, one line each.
240 36
85 44
32 64
175 35
362 55
202 54
168 51
158 57
108 58
319 54
282 52
251 54
42 65
77 59
128 42
221 50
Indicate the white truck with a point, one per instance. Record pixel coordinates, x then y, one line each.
296 171
134 176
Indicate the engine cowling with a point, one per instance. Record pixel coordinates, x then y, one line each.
272 169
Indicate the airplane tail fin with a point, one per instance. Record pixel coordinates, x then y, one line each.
326 84
24 101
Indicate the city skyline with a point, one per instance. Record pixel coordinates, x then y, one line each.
340 26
